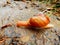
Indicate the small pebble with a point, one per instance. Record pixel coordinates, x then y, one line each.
37 5
33 4
58 18
26 7
59 38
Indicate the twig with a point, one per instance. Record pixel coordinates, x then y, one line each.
5 26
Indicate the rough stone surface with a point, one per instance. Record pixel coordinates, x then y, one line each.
11 13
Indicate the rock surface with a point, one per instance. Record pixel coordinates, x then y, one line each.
11 13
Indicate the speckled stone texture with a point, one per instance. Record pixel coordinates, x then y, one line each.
11 13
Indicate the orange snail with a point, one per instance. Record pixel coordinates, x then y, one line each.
41 21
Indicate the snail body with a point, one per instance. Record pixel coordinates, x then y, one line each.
36 21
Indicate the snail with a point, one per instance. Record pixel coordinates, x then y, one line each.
41 21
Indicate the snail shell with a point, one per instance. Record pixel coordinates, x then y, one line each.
39 21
